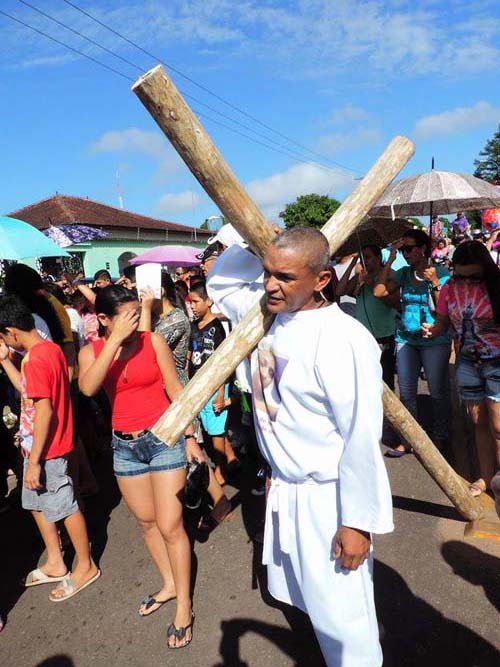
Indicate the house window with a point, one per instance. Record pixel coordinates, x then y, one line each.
124 259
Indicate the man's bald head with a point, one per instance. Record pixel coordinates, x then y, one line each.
309 243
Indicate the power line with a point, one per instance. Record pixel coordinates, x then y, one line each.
285 152
187 95
205 89
301 156
67 46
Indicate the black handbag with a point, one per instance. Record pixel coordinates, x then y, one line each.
196 484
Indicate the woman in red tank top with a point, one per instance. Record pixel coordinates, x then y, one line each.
136 369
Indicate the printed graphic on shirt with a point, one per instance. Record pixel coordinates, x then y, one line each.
204 342
267 376
471 315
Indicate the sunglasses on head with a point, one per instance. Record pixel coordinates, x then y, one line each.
408 248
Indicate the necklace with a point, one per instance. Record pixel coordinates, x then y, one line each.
418 278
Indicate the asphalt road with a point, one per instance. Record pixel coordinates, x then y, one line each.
437 595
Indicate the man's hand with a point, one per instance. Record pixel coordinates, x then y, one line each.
32 476
352 545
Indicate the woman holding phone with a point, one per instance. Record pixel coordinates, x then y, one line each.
418 285
134 367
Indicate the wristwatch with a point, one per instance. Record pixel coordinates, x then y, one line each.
190 435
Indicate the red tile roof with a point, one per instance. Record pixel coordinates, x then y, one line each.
62 209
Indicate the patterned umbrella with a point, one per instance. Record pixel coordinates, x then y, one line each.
58 236
374 231
82 233
436 191
66 235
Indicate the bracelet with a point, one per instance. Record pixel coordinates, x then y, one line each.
190 435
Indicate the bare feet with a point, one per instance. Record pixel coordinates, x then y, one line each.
152 603
180 632
219 476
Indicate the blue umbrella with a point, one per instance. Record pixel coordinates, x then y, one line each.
18 240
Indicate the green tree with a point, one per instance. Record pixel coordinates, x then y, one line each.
313 210
488 163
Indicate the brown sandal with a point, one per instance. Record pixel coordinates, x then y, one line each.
210 522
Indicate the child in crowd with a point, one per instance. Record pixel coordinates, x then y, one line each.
46 430
207 333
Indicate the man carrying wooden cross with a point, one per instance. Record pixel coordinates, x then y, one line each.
317 392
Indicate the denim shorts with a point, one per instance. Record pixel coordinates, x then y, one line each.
478 380
56 500
144 454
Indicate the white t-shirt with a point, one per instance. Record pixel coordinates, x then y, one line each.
77 325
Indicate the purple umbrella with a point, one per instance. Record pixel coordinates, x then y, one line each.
170 255
82 233
66 235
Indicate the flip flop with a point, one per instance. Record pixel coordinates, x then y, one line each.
38 577
397 453
69 588
149 601
180 633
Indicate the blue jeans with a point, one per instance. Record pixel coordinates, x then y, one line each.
434 359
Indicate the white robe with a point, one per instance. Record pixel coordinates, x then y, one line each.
317 393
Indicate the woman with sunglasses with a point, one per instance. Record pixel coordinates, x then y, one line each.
137 371
470 303
418 285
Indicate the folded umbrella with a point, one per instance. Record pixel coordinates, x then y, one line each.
19 240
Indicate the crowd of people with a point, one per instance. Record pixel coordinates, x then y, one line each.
85 368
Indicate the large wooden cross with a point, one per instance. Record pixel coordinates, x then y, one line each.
168 108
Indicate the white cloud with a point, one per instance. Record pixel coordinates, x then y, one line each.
349 114
273 192
315 39
134 140
338 142
181 202
456 121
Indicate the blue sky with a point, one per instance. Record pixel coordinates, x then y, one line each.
339 77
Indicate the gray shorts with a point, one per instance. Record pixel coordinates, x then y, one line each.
56 499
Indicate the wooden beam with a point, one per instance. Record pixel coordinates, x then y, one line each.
159 95
164 102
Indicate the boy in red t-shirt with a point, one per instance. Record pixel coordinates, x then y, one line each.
46 430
